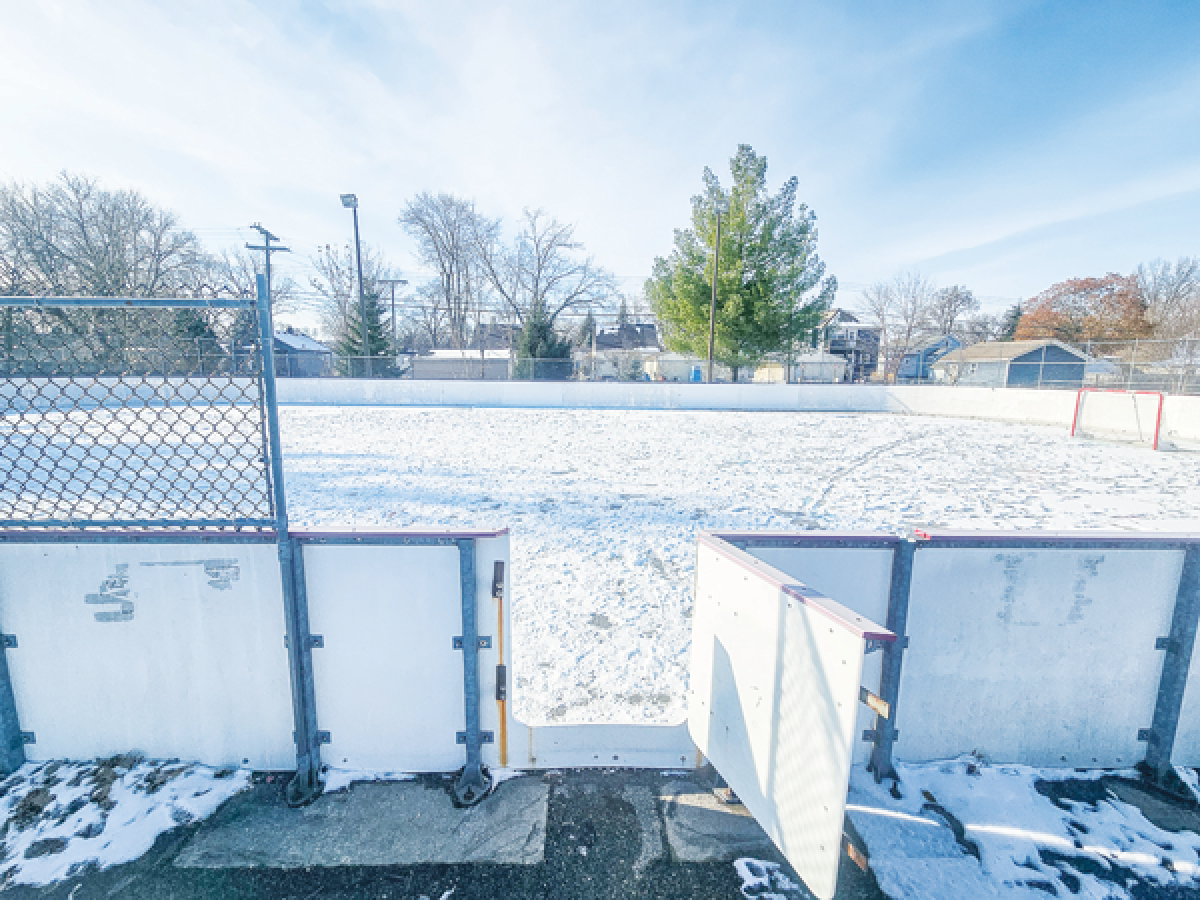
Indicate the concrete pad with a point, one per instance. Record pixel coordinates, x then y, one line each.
700 828
378 824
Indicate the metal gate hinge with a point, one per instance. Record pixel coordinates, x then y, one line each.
485 737
9 641
28 737
1165 643
485 642
1147 735
314 640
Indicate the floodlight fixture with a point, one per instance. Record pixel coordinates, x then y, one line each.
350 201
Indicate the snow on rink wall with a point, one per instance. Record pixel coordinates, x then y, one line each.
1042 649
172 644
1180 423
775 687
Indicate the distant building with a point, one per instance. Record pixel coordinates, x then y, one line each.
463 365
840 333
917 364
816 367
1041 363
299 356
628 337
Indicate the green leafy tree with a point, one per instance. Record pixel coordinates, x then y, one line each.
771 285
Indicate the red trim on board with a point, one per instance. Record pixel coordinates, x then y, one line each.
847 618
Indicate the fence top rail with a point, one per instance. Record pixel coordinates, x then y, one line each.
132 536
1065 540
815 539
142 302
352 535
818 602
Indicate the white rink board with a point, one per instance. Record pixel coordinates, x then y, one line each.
389 682
189 664
1044 657
773 703
858 578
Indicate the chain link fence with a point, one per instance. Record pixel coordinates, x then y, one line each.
132 412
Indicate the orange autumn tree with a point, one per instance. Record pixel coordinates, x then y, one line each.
1087 309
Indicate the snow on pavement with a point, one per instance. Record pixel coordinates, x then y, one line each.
604 507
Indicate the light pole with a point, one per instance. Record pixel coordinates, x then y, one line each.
350 201
722 206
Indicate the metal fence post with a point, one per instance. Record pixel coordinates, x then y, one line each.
473 782
1177 661
12 740
885 732
306 785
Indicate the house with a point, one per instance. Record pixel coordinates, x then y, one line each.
916 364
816 367
299 356
439 365
840 333
681 367
1035 364
622 353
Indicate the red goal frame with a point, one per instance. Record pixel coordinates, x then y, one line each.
1091 390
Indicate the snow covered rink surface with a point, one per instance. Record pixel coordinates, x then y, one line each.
604 507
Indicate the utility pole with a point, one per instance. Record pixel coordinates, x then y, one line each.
267 352
350 201
392 282
712 310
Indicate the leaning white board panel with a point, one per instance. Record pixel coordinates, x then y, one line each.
173 650
388 680
860 578
775 682
1044 657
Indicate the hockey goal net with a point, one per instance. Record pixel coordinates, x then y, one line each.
1113 415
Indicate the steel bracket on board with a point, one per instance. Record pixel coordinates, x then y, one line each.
485 737
314 640
1165 643
9 641
484 642
323 737
873 734
28 737
1146 736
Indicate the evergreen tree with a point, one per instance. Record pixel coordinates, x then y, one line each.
587 331
541 352
771 288
1012 319
379 338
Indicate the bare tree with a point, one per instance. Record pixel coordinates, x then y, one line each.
542 274
948 308
446 230
336 285
71 237
1171 294
234 273
878 305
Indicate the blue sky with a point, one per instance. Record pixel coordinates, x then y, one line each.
1004 146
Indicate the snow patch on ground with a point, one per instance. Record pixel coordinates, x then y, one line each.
64 818
965 829
334 779
763 880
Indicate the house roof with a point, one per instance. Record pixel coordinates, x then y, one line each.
1004 351
301 342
